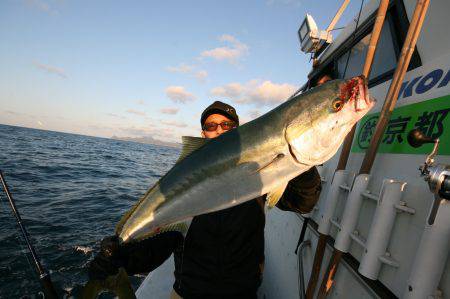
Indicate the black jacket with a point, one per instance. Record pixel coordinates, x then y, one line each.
223 253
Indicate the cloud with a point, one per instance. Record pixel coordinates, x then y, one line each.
51 69
182 68
20 114
169 110
136 112
115 115
179 95
12 112
143 131
136 131
231 53
140 102
231 90
297 3
254 113
256 92
174 123
42 6
201 75
268 93
164 134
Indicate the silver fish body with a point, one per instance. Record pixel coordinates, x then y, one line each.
252 160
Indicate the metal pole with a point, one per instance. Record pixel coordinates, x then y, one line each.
389 104
302 233
394 89
328 281
44 276
317 263
338 15
376 32
301 283
343 158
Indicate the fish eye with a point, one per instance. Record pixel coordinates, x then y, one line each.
337 105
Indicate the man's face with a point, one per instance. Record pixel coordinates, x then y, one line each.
215 119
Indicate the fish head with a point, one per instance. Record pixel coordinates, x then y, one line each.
317 133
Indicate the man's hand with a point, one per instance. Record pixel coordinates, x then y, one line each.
138 257
108 261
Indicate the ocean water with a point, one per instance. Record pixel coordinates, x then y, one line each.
71 190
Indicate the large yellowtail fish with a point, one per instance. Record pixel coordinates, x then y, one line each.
259 157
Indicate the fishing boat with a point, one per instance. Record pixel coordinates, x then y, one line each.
381 228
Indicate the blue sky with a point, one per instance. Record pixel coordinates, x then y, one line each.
148 68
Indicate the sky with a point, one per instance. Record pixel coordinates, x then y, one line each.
149 68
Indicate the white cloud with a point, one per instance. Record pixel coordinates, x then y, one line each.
19 114
174 123
182 68
179 95
51 69
201 75
231 53
11 112
115 115
136 131
254 113
297 3
140 102
268 93
255 92
136 112
164 133
42 6
231 90
169 110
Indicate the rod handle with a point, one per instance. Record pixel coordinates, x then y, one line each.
416 138
48 287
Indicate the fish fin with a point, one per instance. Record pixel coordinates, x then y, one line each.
190 144
274 196
181 227
274 160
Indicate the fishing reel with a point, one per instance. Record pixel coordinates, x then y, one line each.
436 175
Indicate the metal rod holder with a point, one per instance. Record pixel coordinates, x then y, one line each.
339 178
429 262
351 213
381 229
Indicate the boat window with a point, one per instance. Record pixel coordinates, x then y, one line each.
385 59
348 59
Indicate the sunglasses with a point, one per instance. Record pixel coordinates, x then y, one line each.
225 125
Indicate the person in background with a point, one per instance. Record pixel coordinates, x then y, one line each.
222 254
322 79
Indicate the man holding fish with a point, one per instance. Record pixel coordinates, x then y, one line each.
220 185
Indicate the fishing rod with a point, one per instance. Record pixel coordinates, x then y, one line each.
44 276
